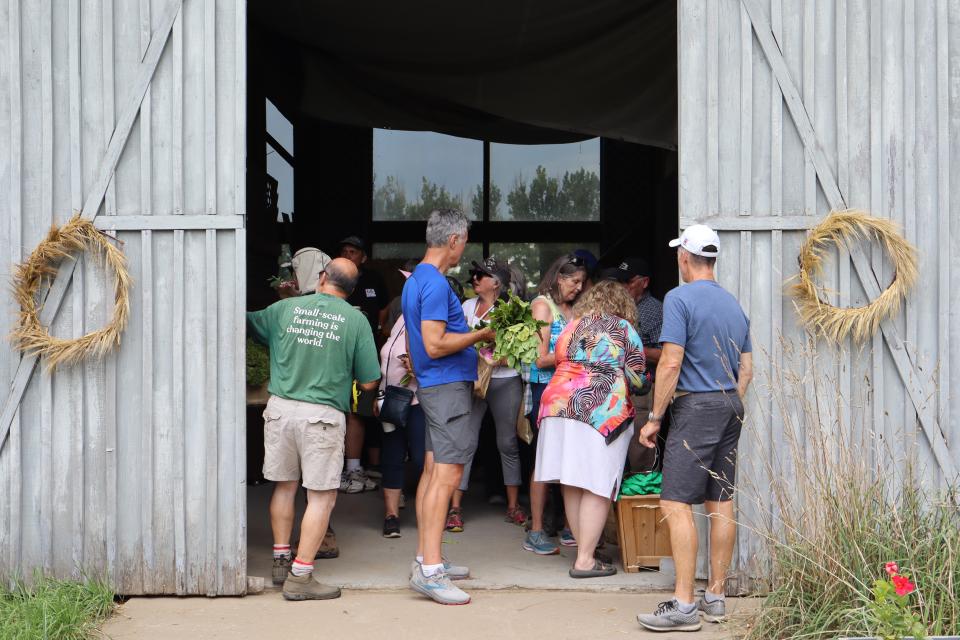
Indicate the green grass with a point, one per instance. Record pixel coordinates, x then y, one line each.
55 609
836 509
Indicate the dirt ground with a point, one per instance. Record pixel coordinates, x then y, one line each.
401 614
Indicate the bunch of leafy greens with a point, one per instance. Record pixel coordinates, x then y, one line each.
258 363
518 333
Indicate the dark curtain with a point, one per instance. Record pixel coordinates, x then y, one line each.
522 72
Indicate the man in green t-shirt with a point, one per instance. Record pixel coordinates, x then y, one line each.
319 344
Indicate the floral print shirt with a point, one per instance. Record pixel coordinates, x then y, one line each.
599 362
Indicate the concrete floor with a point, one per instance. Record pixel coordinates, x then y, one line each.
402 615
489 546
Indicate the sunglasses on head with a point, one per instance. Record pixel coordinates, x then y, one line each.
576 261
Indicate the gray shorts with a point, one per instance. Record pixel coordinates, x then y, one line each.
700 457
449 433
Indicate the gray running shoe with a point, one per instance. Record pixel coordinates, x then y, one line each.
438 587
281 567
715 611
668 617
306 588
454 572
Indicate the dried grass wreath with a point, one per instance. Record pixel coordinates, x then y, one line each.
836 323
78 234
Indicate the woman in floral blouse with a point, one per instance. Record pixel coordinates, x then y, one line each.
586 417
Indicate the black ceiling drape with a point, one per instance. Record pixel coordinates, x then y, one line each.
522 72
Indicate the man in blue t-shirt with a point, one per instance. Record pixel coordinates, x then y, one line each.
703 373
440 345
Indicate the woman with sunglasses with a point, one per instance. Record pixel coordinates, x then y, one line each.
491 282
559 290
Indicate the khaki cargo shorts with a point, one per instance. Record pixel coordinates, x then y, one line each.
302 439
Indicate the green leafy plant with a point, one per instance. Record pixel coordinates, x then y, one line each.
891 613
258 363
518 333
50 608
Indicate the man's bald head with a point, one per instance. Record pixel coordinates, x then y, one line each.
339 278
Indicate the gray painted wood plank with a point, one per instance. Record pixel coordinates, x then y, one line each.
144 120
147 470
909 186
712 147
210 106
735 222
240 428
809 96
179 417
876 207
109 98
692 80
746 113
15 196
77 389
211 534
177 114
843 183
168 222
943 209
240 128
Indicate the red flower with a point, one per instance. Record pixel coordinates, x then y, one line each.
903 585
891 568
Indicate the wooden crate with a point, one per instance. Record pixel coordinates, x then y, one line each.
644 539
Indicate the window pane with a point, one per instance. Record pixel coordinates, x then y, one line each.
282 172
415 172
545 182
279 127
406 250
533 259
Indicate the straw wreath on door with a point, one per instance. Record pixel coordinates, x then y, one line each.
78 234
846 228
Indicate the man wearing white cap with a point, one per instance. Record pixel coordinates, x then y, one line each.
703 373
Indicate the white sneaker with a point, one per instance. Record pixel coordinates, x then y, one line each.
438 587
351 482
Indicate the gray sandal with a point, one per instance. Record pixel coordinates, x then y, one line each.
599 570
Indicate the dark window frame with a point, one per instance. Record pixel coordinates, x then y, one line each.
486 231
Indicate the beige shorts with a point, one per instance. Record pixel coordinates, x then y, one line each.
302 439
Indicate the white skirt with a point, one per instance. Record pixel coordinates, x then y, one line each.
574 453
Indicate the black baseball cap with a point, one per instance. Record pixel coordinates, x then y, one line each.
631 267
491 267
354 241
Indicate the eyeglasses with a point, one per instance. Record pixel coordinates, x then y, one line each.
479 275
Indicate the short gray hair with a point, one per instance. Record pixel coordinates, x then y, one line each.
343 281
444 223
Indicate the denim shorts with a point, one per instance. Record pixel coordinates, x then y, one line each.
700 457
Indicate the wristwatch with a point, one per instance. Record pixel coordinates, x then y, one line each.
654 418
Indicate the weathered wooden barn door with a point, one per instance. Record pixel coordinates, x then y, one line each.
791 108
133 114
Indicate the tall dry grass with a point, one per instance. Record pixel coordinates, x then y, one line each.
835 497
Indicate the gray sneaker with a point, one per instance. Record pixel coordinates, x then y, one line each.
307 588
281 567
454 572
715 611
438 587
668 617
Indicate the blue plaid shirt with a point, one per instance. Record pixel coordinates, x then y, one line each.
649 320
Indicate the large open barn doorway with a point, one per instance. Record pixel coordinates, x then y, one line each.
552 125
